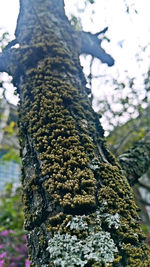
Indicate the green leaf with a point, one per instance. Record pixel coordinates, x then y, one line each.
11 155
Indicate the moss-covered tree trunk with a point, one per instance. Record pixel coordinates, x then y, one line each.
79 208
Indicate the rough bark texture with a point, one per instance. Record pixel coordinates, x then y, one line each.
136 161
79 208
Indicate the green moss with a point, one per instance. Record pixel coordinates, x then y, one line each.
136 256
117 193
49 114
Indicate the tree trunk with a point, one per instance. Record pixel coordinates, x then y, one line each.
79 208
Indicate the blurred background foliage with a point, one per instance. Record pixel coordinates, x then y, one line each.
11 215
13 249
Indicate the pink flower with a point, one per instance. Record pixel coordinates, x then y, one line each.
1 263
11 231
27 263
4 233
24 238
1 246
2 255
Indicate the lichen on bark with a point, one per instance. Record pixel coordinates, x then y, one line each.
67 170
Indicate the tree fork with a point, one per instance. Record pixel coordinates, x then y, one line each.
79 208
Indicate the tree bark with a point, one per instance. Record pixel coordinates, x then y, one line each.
136 160
79 208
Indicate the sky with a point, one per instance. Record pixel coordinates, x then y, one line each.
128 34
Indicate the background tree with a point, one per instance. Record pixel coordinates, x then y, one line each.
79 208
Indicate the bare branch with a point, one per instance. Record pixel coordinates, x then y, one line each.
144 185
91 45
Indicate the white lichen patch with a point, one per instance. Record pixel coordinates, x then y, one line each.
66 250
112 220
97 246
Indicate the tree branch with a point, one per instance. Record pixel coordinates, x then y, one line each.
91 45
4 61
102 32
136 161
10 44
144 186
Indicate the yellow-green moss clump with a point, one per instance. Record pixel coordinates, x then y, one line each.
64 159
118 195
